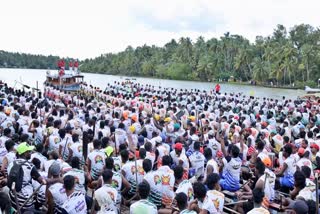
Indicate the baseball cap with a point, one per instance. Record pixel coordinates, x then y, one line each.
132 129
299 206
178 146
300 151
108 150
54 168
314 146
267 161
24 147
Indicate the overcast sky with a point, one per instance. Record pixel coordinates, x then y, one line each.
88 28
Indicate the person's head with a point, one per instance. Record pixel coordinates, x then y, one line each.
235 151
7 132
96 144
107 176
314 148
166 160
62 133
142 153
124 155
144 189
24 150
178 148
259 167
37 163
260 145
178 172
69 182
299 179
287 150
53 155
306 171
258 195
304 143
299 206
109 163
54 169
199 191
147 165
196 146
9 145
75 137
75 163
207 153
182 200
212 181
148 146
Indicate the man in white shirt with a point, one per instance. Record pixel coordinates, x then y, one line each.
76 202
106 196
143 205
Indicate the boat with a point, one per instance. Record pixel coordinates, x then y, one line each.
311 90
65 80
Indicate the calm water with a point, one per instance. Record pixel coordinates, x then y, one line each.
31 76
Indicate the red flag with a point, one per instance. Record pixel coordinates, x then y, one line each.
61 72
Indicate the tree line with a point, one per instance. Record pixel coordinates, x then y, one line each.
285 58
22 60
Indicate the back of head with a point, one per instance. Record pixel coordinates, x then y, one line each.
147 165
142 153
75 162
258 195
144 189
68 182
182 200
207 153
196 146
306 171
178 172
166 160
199 190
212 180
109 163
107 175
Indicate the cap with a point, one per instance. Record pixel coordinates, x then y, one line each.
54 168
134 118
314 146
157 117
168 119
299 206
132 129
108 150
318 135
176 126
267 162
24 147
178 146
301 151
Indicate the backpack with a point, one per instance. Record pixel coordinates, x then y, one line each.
16 175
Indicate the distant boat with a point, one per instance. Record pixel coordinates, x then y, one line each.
311 90
66 80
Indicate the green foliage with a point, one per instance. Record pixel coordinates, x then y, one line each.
18 60
287 56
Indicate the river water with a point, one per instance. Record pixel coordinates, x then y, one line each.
31 76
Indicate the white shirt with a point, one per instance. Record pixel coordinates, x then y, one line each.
143 206
75 204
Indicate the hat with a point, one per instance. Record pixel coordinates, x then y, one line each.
314 146
134 118
318 135
108 150
267 161
132 129
54 169
301 151
24 147
168 119
176 126
178 146
157 117
299 206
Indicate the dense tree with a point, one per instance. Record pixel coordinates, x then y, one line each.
286 57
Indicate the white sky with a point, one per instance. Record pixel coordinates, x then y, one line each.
88 28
